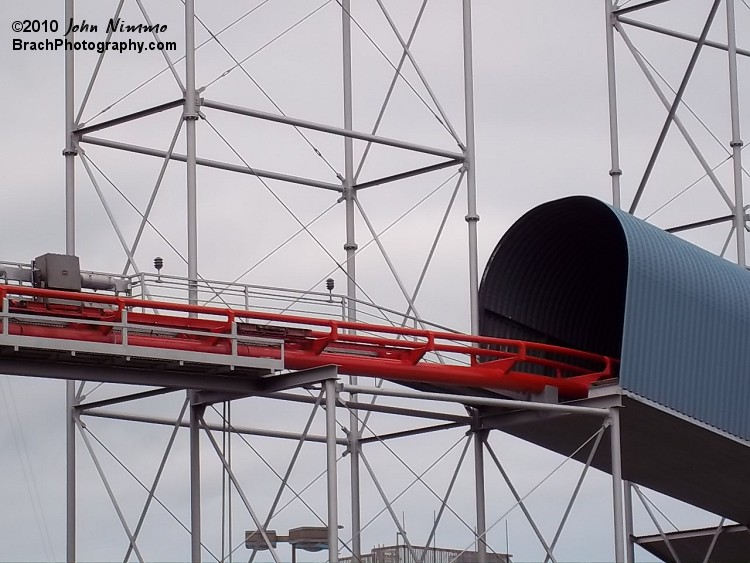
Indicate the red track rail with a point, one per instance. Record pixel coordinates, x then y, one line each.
393 353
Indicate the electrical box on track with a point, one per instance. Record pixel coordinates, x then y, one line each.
57 271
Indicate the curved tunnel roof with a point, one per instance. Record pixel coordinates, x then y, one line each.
579 273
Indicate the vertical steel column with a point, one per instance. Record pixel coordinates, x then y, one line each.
195 481
351 286
472 218
354 463
71 149
70 248
471 180
70 470
617 484
333 516
479 437
614 147
630 544
191 116
349 195
736 143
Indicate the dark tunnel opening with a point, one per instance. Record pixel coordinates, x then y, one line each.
559 276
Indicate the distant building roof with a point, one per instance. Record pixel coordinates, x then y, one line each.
402 554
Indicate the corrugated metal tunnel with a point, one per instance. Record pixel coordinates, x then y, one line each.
579 273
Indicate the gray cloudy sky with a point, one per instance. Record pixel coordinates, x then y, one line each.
542 133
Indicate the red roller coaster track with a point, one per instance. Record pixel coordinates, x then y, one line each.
390 352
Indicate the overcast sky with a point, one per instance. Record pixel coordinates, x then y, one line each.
542 133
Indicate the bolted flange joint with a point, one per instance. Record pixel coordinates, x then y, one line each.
615 172
70 152
351 246
472 218
736 143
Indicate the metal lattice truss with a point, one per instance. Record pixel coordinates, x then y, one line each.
640 27
349 411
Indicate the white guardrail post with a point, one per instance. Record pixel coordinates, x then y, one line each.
124 325
5 315
234 341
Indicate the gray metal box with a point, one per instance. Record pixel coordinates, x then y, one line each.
57 271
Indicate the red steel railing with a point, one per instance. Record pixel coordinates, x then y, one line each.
390 352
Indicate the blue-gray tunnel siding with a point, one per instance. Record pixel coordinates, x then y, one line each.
580 273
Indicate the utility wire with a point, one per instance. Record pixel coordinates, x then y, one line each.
268 465
695 182
281 202
417 479
398 71
408 468
533 489
372 240
238 64
703 124
165 69
280 246
683 102
692 112
297 495
150 224
143 485
29 478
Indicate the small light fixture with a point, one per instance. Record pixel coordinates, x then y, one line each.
330 283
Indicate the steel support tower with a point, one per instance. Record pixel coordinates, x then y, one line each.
320 387
649 181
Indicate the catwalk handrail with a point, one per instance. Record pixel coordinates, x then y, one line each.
390 352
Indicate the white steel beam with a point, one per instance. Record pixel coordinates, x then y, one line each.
407 51
331 473
98 66
480 436
110 493
617 484
350 247
614 137
79 132
191 118
157 477
471 176
576 490
290 466
679 35
521 504
162 421
69 152
446 498
240 491
736 141
210 163
391 86
170 64
469 400
154 192
389 506
675 104
330 129
677 121
655 520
